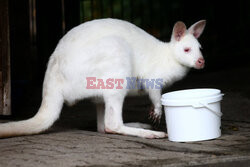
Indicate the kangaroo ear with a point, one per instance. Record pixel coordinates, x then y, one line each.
197 28
179 31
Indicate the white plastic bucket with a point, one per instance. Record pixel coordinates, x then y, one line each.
193 114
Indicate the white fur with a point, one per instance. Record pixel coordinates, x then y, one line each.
106 48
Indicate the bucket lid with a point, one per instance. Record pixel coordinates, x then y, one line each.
191 93
191 97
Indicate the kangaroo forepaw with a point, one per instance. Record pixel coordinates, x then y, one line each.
155 116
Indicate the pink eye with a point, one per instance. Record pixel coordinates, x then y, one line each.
187 50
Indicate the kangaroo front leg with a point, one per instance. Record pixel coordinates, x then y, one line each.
156 109
114 123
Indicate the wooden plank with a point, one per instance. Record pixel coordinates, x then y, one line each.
71 13
4 59
1 92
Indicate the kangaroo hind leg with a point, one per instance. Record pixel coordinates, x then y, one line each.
113 121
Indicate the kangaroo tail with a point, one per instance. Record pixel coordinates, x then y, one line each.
48 113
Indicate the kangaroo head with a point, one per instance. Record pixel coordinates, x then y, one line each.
186 48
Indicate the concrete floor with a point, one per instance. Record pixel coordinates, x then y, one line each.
74 142
85 148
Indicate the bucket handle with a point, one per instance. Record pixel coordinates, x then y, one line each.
219 114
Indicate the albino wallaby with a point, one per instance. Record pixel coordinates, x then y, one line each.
112 50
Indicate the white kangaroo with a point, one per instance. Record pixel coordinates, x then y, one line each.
110 48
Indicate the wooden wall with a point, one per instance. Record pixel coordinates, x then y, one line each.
4 59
